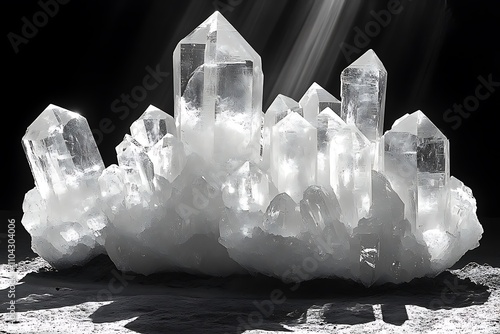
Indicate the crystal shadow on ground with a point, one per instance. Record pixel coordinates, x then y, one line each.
181 302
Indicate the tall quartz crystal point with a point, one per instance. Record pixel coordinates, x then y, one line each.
281 106
417 165
293 155
363 95
315 100
218 85
344 163
363 87
62 152
152 126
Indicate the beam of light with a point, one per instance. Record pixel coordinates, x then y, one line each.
306 60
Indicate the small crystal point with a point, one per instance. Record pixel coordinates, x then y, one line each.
132 157
248 188
344 164
282 217
293 155
168 157
218 85
152 126
281 106
315 100
61 151
363 95
417 164
321 213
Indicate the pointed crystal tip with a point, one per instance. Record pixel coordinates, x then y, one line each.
51 118
417 123
153 112
369 58
216 21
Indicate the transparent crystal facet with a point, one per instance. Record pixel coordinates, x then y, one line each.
248 188
293 155
315 100
283 217
62 152
346 154
363 86
168 157
218 84
152 126
281 106
329 125
132 157
417 164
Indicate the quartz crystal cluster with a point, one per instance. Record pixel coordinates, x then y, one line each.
307 189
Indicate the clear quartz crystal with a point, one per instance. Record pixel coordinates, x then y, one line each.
315 100
132 157
344 163
62 152
168 157
417 164
152 126
293 155
321 212
283 217
281 106
248 188
329 125
218 85
363 87
363 95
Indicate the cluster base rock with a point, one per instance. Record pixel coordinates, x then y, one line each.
307 189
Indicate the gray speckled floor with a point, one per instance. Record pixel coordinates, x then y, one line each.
98 299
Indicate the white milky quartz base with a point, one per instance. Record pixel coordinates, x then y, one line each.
297 193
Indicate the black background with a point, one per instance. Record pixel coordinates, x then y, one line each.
91 52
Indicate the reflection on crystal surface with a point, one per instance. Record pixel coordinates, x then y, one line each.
282 217
248 188
363 95
315 100
417 163
152 126
218 92
293 155
281 106
61 151
348 155
132 157
321 211
168 157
